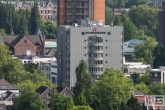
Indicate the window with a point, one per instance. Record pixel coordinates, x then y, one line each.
156 75
109 33
65 93
82 33
49 95
106 54
24 62
106 40
84 54
48 104
84 47
84 40
67 47
106 47
67 40
53 79
53 66
150 74
106 62
61 68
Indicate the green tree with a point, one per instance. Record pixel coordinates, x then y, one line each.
120 4
159 56
117 21
2 32
60 102
31 67
29 101
32 81
110 91
35 19
124 13
80 100
49 29
133 104
130 30
143 15
115 3
23 24
144 51
135 78
142 87
6 17
137 2
84 79
108 16
145 78
10 68
82 108
157 88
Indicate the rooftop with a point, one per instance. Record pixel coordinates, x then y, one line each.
128 46
50 44
30 56
138 93
4 85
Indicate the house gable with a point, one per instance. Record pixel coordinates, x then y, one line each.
4 85
65 91
50 4
23 45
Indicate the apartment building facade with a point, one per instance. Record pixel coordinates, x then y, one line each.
100 46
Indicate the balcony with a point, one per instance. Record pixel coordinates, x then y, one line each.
95 65
95 58
95 44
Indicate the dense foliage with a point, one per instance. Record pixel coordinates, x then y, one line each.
159 56
144 51
110 91
29 101
84 79
22 21
49 28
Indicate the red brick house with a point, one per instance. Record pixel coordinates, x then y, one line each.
25 44
46 93
139 95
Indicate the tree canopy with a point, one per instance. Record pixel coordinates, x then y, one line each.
159 56
84 79
29 101
49 28
142 16
60 102
108 16
110 91
144 51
